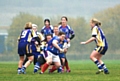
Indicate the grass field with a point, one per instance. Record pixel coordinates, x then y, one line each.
80 71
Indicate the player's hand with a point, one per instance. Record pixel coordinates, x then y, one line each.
82 42
61 50
68 40
65 50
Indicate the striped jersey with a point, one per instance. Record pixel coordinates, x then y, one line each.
100 37
67 30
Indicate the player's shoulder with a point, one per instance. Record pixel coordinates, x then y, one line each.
59 26
51 26
95 27
68 26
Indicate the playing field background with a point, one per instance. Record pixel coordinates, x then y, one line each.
81 70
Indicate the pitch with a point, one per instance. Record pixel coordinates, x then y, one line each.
80 71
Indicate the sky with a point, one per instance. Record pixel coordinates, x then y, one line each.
49 8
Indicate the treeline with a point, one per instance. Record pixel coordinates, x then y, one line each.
110 24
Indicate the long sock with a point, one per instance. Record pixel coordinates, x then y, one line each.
104 67
60 69
66 65
23 69
53 69
98 64
19 70
45 66
36 67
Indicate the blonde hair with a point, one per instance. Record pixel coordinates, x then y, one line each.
28 25
96 22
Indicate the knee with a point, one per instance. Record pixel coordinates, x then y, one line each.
30 61
91 57
49 62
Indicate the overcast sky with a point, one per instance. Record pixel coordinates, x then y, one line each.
49 8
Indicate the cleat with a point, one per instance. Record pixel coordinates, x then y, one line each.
23 71
98 72
41 73
35 70
19 72
107 72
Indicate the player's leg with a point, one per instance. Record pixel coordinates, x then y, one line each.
99 56
67 65
93 57
62 59
25 60
30 60
30 57
20 64
103 66
48 58
63 63
96 58
21 52
40 61
57 64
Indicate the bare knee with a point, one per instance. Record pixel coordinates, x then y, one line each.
91 57
49 61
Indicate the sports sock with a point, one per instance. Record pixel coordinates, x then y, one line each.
104 67
45 66
53 69
98 64
66 65
36 67
60 69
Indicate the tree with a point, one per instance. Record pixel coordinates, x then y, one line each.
110 24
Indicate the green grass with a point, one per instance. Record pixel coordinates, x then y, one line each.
80 71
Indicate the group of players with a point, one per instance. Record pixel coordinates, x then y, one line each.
46 48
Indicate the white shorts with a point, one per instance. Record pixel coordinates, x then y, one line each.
55 58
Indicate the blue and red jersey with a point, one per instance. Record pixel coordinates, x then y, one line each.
51 47
67 30
47 30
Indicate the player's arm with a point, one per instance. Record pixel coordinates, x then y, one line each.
35 36
72 36
71 32
94 34
89 40
55 44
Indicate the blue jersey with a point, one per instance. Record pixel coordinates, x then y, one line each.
24 46
100 37
36 49
27 35
47 30
67 30
50 46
